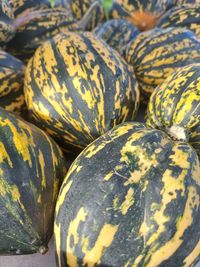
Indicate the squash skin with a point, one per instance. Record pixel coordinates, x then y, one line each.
182 16
145 202
38 26
32 167
143 14
11 83
77 88
117 33
156 54
20 6
80 7
6 22
176 102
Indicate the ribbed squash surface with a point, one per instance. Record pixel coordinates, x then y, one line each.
130 199
176 102
182 16
156 54
31 170
77 88
6 22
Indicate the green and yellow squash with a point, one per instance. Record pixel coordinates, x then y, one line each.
32 167
174 106
131 198
156 54
117 33
143 14
80 7
77 88
38 26
182 16
186 2
11 83
6 22
20 6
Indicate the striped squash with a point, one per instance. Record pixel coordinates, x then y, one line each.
20 6
117 33
6 22
143 14
175 106
131 198
36 27
186 2
77 88
31 170
182 16
11 83
80 7
158 53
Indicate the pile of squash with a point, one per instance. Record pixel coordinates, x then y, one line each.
100 131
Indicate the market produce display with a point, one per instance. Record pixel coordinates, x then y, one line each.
100 132
145 202
32 167
182 16
158 53
77 88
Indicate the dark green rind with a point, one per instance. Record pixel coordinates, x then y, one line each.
6 22
137 159
28 185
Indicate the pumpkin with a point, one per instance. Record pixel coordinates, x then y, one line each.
32 167
11 83
143 14
182 16
175 106
156 54
117 33
80 7
6 22
77 88
131 198
36 27
20 6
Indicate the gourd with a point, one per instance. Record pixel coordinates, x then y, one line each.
175 106
156 54
77 88
187 16
131 198
32 167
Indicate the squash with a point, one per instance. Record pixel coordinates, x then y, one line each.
77 88
175 106
32 167
36 27
117 33
80 7
156 54
131 198
143 14
186 2
20 6
6 22
182 16
11 83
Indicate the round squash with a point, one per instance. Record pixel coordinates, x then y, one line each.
156 54
11 83
182 16
175 106
143 14
20 6
6 22
38 26
77 88
131 198
80 7
117 33
31 170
